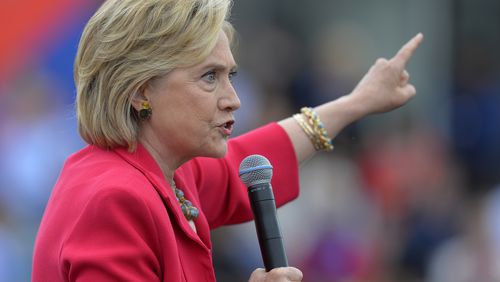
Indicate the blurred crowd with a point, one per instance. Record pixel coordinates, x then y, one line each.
412 195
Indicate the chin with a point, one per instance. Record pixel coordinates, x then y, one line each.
217 152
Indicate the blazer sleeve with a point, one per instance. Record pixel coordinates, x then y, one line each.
112 240
223 196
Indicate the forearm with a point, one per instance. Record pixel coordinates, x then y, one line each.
335 116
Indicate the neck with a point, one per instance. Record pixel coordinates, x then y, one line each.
167 162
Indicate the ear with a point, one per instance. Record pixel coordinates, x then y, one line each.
140 97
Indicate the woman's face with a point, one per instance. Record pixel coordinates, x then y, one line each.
193 107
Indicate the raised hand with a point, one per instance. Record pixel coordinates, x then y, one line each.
386 85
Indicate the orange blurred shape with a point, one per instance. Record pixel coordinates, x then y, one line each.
28 26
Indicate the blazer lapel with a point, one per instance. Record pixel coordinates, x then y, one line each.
144 162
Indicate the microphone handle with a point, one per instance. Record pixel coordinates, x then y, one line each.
267 226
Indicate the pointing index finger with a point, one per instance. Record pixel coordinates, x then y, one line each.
404 54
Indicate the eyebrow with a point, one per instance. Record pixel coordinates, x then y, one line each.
220 67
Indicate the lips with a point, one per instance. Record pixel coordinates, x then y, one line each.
227 127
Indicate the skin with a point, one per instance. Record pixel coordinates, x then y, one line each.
202 99
281 274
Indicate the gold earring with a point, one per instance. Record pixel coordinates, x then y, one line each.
146 111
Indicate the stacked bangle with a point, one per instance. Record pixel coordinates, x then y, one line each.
312 126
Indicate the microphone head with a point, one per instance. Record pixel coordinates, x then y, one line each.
255 169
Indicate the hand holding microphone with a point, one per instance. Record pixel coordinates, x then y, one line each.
280 274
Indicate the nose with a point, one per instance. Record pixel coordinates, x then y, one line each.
230 100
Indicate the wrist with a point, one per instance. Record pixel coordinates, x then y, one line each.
355 105
341 112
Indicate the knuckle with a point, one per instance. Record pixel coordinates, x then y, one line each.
381 61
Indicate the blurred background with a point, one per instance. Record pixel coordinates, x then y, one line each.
412 195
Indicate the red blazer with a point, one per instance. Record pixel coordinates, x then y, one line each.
112 216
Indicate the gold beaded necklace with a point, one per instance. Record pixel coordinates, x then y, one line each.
188 209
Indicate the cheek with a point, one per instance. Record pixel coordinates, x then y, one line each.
204 110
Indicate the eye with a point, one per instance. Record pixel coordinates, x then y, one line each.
232 75
209 76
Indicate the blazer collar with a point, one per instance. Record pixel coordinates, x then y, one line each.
142 160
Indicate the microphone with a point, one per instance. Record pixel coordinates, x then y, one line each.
256 173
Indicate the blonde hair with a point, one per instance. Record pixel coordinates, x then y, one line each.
125 44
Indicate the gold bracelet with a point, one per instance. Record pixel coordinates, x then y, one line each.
307 130
321 139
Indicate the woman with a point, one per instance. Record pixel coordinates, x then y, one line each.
155 103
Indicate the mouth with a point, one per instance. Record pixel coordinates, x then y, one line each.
227 128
